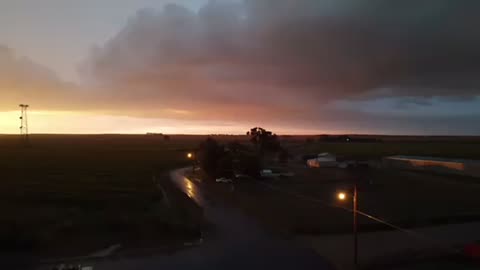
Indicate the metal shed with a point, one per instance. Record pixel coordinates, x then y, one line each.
434 164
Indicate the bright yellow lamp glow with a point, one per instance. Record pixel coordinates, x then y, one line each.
341 196
189 155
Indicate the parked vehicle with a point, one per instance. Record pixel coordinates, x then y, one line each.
223 180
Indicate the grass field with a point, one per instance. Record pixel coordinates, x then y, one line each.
407 199
69 193
450 149
91 191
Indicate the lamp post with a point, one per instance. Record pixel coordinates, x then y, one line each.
192 157
355 227
343 196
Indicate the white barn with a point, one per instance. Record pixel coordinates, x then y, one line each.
323 160
432 164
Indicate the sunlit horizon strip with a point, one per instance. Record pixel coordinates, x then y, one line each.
67 122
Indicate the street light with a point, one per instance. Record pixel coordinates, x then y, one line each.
192 157
342 196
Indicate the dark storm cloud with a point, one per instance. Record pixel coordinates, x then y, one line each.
273 61
270 51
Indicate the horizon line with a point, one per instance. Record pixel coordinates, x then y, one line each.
242 134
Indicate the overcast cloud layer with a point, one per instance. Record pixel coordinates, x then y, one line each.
271 59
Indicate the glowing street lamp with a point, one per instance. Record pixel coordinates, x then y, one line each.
342 197
191 156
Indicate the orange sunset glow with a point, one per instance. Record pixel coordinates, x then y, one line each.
199 66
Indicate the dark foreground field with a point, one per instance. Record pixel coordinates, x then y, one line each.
437 146
68 195
306 202
74 194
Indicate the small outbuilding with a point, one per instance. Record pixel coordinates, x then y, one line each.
434 164
323 160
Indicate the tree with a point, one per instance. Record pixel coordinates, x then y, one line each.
264 140
214 160
208 155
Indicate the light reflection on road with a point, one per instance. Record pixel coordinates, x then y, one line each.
190 190
188 187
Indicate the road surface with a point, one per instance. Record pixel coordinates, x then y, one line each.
238 243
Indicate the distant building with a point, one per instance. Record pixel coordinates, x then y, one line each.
269 173
323 160
433 164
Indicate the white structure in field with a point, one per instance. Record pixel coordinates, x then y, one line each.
269 173
323 160
432 164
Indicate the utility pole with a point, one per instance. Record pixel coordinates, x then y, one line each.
24 123
343 196
192 156
355 226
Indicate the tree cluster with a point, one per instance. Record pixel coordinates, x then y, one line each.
264 140
214 159
219 160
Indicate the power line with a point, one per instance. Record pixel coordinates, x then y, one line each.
328 204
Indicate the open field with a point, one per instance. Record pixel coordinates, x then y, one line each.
92 191
438 146
450 149
305 206
404 198
68 194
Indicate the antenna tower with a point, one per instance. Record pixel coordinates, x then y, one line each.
24 123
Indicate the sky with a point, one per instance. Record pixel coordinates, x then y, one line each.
202 67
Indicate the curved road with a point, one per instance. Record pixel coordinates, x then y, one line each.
238 243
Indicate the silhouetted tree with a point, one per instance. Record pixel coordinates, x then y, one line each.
214 160
208 154
264 140
166 138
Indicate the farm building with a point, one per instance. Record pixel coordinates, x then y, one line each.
432 164
272 173
323 160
